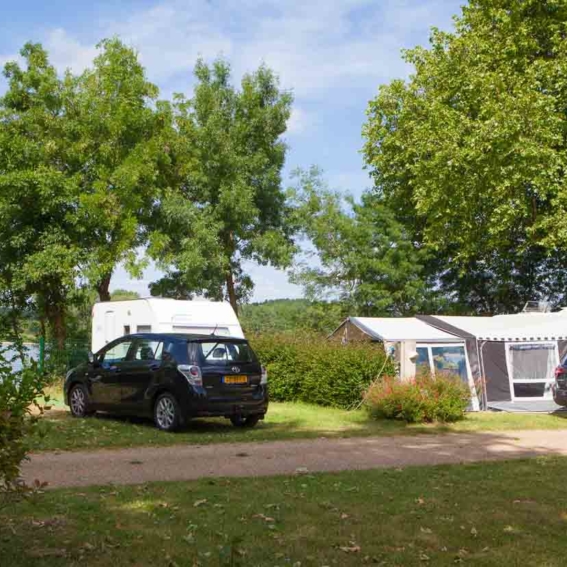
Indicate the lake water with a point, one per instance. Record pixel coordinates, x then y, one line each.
32 353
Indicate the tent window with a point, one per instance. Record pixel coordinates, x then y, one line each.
450 360
422 362
531 368
532 362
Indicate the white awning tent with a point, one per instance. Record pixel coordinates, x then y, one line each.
415 345
513 356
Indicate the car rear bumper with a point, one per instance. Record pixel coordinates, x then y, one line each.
559 395
205 406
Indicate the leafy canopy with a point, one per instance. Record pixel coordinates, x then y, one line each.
225 204
362 255
471 155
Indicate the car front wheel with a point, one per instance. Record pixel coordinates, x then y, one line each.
245 421
167 415
79 401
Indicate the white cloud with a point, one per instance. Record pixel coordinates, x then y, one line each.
66 52
299 121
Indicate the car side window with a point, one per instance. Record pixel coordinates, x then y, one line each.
147 349
116 353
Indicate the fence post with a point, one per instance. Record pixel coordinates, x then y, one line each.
41 354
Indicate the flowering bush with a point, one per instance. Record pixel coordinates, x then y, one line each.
425 398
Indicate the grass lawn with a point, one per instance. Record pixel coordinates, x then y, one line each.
507 513
283 421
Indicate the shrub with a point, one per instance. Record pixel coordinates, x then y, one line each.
426 398
313 370
19 390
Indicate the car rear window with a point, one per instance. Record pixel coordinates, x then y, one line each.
222 352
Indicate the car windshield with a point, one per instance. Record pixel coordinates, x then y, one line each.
219 352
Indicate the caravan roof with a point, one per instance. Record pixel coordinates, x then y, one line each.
402 329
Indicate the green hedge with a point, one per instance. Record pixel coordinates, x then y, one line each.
317 371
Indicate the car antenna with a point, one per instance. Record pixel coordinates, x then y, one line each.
215 330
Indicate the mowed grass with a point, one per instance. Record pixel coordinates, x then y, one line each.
59 431
507 513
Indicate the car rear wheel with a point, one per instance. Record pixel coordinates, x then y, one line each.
167 415
79 401
245 421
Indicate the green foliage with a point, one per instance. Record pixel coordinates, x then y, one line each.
39 254
122 294
18 391
426 398
312 370
470 153
226 204
291 316
364 256
116 148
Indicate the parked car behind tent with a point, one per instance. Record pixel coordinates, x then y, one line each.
114 319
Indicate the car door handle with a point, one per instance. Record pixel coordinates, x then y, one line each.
114 368
95 378
154 366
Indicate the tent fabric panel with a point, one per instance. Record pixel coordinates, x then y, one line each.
395 329
495 371
439 323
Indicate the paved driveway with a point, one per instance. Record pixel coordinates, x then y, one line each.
186 462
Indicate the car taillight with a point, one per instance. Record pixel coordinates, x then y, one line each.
192 373
264 379
560 372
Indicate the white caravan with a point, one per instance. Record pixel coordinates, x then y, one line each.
114 319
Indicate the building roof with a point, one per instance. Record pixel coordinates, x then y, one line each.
401 329
520 327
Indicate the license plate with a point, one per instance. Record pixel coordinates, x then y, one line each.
235 380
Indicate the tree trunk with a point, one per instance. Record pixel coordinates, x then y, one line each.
57 323
231 291
102 288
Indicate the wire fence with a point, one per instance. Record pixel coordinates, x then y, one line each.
50 358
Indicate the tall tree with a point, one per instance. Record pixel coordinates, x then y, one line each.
362 256
116 146
38 233
471 155
225 204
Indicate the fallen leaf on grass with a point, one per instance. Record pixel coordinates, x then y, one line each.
426 530
474 532
420 501
265 518
352 547
344 516
198 503
509 529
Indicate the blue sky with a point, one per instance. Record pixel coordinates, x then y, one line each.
332 54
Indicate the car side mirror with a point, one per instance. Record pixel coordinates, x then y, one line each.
91 357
